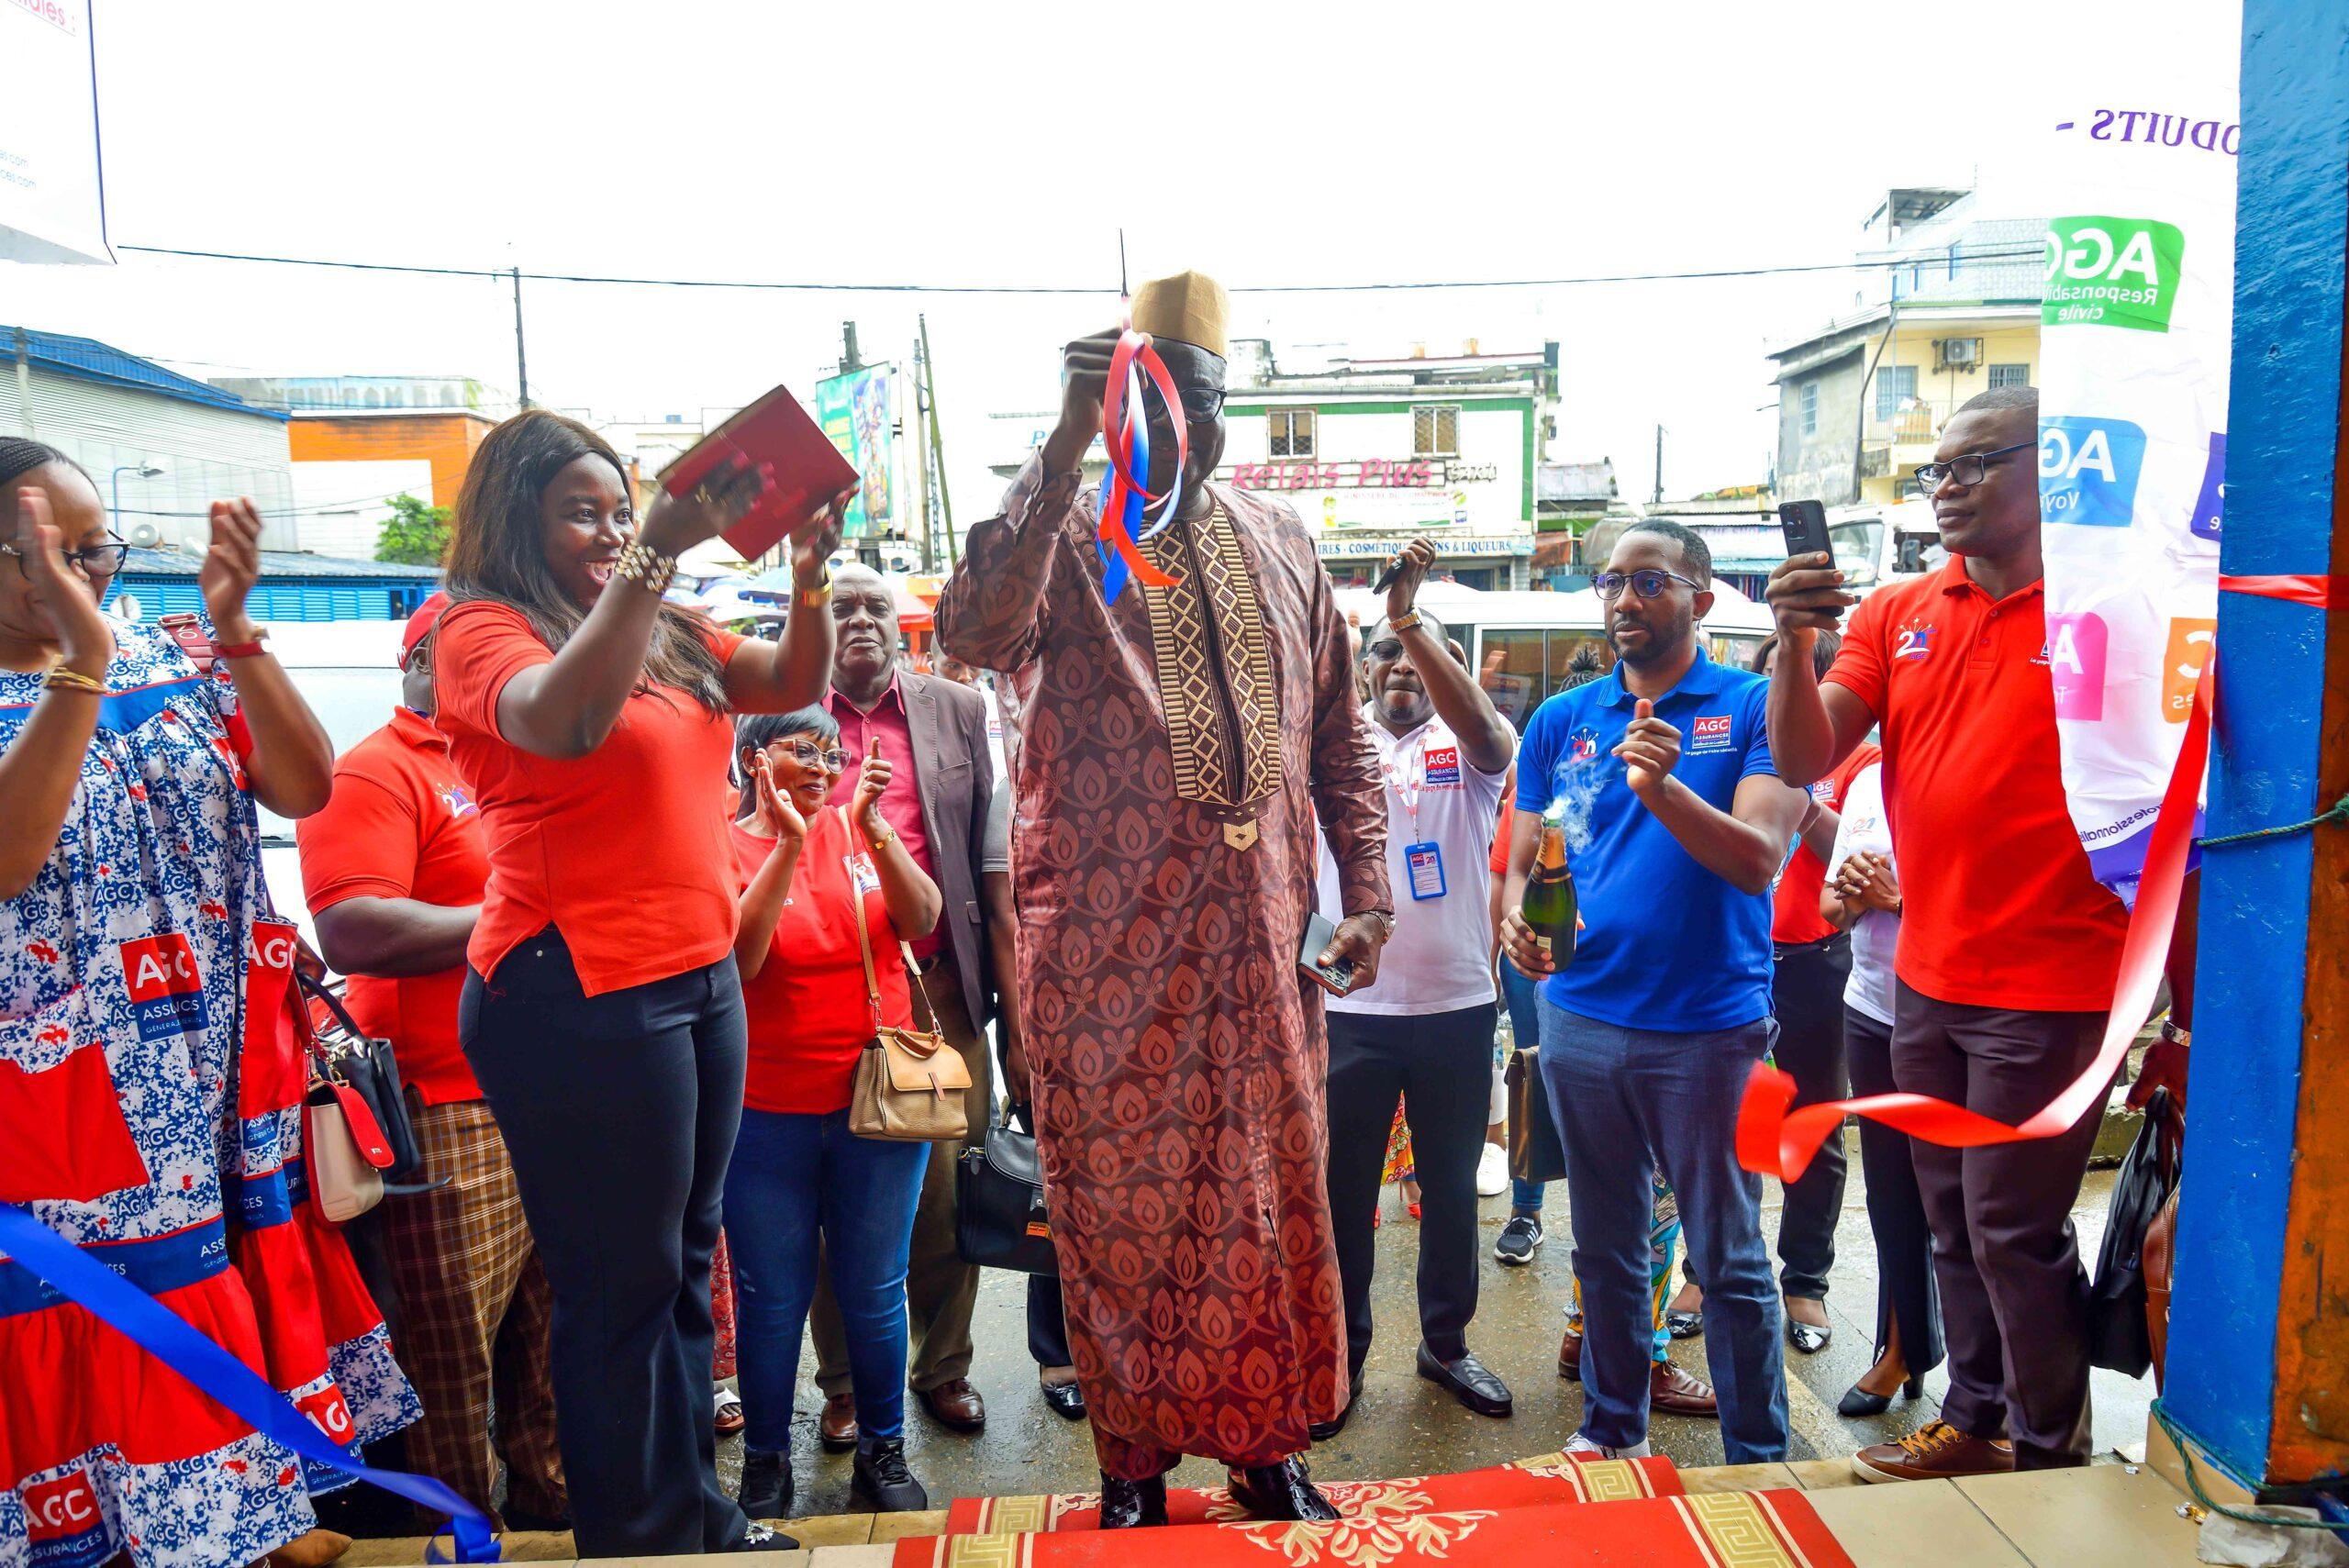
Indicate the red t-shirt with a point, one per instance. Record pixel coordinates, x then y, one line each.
2000 908
901 802
1794 907
624 851
809 1013
401 825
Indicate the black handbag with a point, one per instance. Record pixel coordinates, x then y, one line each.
1534 1152
2119 1338
368 1065
999 1219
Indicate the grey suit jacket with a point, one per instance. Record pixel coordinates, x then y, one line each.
948 724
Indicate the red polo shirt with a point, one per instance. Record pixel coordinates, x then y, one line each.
2000 910
401 825
901 802
1794 907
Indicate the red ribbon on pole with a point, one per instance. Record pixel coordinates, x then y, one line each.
2313 588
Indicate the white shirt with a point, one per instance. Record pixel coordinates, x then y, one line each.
1441 957
1873 937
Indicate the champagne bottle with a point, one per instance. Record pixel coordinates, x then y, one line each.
1550 901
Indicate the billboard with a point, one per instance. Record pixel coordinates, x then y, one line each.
51 195
858 411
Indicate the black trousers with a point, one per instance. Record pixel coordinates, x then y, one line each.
1440 1064
1047 1323
2014 1294
620 1112
1807 994
1905 1292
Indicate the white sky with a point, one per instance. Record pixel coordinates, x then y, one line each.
914 140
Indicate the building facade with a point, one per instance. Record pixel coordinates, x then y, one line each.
162 447
1949 307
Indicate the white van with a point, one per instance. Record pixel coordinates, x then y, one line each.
1527 647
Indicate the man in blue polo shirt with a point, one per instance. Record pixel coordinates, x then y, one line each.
1678 825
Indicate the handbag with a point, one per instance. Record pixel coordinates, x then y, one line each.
1534 1152
910 1084
2119 1335
1000 1216
371 1070
346 1150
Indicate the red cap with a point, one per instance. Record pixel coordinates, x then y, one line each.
420 624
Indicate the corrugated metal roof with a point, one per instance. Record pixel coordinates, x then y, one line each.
275 564
90 360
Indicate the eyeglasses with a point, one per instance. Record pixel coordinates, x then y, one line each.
1386 649
97 562
810 756
1969 470
1201 404
1648 582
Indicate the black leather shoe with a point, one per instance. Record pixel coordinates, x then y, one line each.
1470 1381
1281 1490
765 1491
1066 1399
758 1538
882 1482
1684 1325
1125 1505
1323 1431
1858 1401
1807 1337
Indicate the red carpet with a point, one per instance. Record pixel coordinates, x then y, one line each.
1547 1479
1390 1526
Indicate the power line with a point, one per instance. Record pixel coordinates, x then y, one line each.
509 275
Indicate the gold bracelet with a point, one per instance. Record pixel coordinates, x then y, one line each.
889 836
640 563
814 597
61 679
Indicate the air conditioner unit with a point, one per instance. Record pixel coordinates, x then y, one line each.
1957 354
146 536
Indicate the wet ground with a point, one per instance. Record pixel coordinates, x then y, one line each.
1404 1426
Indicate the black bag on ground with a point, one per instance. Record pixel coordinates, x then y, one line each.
2118 1339
368 1065
999 1219
1534 1152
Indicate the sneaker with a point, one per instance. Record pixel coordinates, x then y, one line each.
1581 1445
1491 1170
1518 1240
882 1483
1934 1452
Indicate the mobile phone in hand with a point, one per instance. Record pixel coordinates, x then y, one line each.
1337 978
1805 523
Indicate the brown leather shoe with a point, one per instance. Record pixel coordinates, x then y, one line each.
956 1405
837 1429
1676 1392
1934 1452
1570 1356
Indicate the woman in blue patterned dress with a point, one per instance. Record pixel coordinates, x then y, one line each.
150 1098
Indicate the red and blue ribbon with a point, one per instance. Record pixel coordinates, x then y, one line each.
1126 500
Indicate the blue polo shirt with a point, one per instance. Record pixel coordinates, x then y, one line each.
1666 944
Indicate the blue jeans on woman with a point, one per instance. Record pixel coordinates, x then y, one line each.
797 1179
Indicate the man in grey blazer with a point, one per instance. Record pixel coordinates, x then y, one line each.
935 733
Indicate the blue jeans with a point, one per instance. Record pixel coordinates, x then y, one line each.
796 1178
1524 1196
1625 1100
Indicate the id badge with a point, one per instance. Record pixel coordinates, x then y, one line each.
1426 862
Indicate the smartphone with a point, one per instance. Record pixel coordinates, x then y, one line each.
1805 523
1337 978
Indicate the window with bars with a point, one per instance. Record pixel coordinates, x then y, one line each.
1811 408
1291 432
1435 430
1896 386
2009 375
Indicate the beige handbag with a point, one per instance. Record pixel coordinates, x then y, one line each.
910 1084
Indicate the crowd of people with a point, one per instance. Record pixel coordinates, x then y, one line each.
639 902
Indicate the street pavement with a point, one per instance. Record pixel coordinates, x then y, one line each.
1404 1426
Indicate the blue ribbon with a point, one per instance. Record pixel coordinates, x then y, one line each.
1114 571
171 1341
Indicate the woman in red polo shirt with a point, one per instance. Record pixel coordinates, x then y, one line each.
602 1015
799 1172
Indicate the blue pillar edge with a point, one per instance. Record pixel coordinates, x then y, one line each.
2292 221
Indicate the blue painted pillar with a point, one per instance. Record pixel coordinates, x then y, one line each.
2262 966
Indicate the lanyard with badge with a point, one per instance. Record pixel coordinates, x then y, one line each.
1425 859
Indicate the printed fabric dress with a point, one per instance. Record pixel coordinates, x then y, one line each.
1175 751
150 1091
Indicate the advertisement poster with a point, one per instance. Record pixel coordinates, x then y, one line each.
51 195
858 411
2139 187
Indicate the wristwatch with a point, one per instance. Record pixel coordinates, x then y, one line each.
814 597
1403 622
1385 918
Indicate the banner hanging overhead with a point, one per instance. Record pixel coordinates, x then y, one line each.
2137 171
53 196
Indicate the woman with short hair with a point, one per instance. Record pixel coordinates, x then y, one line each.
603 1017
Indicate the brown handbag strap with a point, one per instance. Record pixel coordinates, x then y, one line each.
864 937
913 972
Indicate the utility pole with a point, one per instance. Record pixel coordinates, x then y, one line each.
1658 499
936 451
521 361
918 427
25 383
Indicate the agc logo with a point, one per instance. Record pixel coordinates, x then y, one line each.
2088 470
2112 271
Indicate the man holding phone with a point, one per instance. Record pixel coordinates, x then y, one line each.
1425 1031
